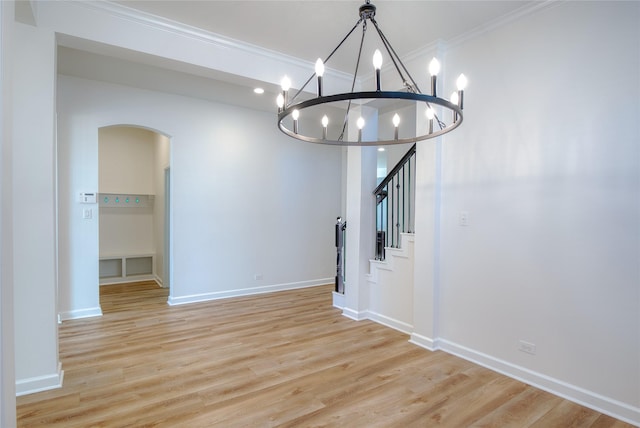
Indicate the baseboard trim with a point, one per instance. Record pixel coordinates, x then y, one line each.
205 297
80 313
338 300
390 322
355 315
124 280
424 342
40 383
611 407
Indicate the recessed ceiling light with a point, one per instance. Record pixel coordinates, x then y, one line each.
381 149
258 91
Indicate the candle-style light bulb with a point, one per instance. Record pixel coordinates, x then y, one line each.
325 123
319 73
377 59
295 115
434 69
430 115
396 122
377 64
454 100
360 125
319 67
285 83
461 83
280 101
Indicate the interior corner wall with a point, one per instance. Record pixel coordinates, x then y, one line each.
7 355
546 165
252 210
161 162
34 201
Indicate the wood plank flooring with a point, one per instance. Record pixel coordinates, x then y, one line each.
285 359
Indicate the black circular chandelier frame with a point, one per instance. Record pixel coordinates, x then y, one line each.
290 111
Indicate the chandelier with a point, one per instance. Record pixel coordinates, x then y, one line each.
307 119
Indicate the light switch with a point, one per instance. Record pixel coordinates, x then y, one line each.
87 213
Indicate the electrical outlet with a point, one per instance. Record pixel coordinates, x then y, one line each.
258 276
463 218
529 348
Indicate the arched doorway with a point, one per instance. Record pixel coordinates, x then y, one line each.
133 200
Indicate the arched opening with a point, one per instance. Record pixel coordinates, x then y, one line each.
133 203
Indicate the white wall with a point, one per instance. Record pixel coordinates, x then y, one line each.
547 165
7 357
245 200
34 216
161 161
126 160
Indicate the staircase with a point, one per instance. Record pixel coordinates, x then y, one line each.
391 286
395 204
391 272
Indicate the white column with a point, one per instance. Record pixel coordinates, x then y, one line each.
427 239
34 211
7 361
360 215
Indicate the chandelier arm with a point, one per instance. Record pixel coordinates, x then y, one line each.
353 82
326 59
394 56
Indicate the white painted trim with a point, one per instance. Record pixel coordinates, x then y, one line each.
164 24
424 342
390 322
355 315
557 387
40 383
127 279
158 281
80 313
205 297
338 300
502 21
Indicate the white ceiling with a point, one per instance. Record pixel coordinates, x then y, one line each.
311 29
302 29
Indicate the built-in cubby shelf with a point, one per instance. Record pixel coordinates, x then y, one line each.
117 269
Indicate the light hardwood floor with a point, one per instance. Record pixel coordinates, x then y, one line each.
285 359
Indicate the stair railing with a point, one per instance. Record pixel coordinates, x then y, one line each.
395 203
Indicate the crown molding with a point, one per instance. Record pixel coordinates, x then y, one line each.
522 12
184 30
